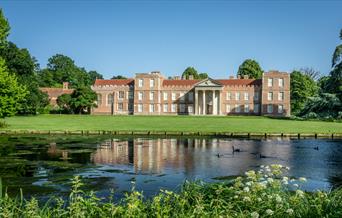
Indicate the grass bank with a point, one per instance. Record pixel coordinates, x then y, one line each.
243 124
265 193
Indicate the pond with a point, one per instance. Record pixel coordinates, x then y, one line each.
44 165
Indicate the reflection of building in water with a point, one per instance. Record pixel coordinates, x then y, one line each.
151 155
112 152
55 152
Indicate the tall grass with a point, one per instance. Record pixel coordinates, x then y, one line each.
265 193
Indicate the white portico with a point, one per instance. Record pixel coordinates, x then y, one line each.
208 97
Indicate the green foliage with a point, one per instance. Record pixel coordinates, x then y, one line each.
324 106
190 71
4 29
61 68
302 87
203 76
118 77
251 68
264 193
11 92
63 102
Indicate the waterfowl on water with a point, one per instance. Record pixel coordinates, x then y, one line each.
236 149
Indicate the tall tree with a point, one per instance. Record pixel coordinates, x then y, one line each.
251 68
203 76
190 71
93 75
312 73
82 100
11 92
302 87
20 62
4 29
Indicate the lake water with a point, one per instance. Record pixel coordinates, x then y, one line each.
43 165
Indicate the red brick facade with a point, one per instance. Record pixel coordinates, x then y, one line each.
151 94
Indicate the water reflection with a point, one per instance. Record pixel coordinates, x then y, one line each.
156 163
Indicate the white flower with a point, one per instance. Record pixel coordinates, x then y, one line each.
302 179
236 196
269 212
255 215
289 211
278 199
249 183
300 193
246 189
246 198
287 168
286 178
259 199
262 166
270 180
296 185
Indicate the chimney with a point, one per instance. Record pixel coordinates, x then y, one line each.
245 76
65 85
176 78
231 77
191 77
238 77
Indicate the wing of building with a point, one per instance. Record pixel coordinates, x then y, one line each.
152 94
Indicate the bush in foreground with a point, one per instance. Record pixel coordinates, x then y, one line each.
265 193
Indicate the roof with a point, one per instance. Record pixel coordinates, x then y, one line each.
117 82
239 82
179 82
55 92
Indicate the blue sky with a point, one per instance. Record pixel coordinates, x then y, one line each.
120 37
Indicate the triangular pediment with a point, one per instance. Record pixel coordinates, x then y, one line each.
208 83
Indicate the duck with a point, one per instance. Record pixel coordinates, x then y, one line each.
236 149
262 156
316 148
219 155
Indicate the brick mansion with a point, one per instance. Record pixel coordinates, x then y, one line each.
152 94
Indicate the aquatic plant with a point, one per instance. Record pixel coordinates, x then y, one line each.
267 192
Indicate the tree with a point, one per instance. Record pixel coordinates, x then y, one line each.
61 68
63 101
82 99
202 75
251 68
118 77
312 73
302 87
190 71
20 62
4 29
93 75
11 92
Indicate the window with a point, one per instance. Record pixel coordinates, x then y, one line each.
228 109
246 108
281 96
270 82
151 108
110 99
173 96
256 108
237 108
121 94
280 108
166 106
182 108
269 108
191 96
270 96
130 95
151 83
140 107
120 107
246 96
256 96
182 96
229 95
237 96
174 108
281 82
140 96
141 83
165 96
190 109
151 96
99 99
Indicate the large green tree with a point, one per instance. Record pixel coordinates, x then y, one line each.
191 71
61 68
11 92
20 62
302 87
118 77
4 29
251 68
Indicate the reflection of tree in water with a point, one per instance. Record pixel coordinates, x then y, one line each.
334 159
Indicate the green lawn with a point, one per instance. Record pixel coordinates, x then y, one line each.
170 123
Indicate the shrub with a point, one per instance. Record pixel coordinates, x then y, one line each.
3 124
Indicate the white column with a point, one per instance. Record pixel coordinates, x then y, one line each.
204 104
219 103
196 102
214 103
